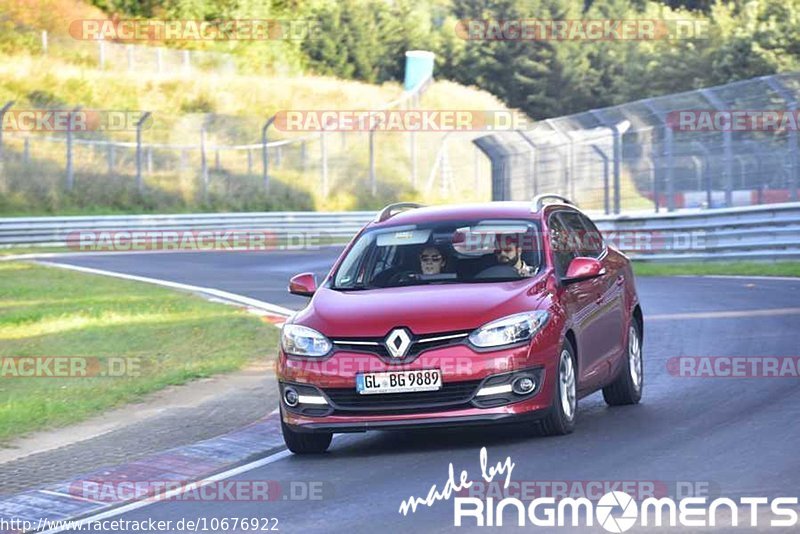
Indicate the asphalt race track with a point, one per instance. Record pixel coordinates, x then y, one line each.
735 436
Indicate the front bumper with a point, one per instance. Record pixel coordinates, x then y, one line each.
464 373
478 418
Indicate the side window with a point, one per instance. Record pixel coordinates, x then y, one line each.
385 259
559 243
582 239
593 242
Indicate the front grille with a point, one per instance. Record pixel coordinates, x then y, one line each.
452 395
418 345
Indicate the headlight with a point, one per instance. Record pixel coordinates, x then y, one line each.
303 341
509 330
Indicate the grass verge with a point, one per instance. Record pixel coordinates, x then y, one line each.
741 268
152 337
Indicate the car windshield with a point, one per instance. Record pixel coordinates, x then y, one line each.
468 251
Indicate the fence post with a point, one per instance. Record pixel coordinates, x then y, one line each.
139 124
102 53
264 153
669 176
476 162
110 154
619 129
70 171
217 162
203 162
373 184
187 62
412 140
606 196
727 147
44 42
706 175
3 111
323 149
26 151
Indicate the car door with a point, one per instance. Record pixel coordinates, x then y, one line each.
579 300
612 286
593 337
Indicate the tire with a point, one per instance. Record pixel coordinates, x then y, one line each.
561 418
627 387
305 443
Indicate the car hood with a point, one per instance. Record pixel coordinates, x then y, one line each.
422 309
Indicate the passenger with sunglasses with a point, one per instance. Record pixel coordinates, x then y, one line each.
431 260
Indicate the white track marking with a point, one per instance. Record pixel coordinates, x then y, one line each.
723 314
174 493
76 497
742 277
231 297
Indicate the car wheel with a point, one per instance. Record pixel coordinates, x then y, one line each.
627 388
561 419
305 443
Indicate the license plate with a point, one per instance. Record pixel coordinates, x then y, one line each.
399 381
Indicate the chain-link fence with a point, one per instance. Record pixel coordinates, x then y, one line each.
232 162
110 55
724 146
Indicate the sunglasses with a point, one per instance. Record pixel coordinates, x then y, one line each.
430 259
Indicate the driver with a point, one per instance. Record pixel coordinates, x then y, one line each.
508 251
431 260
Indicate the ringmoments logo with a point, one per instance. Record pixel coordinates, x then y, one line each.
615 511
618 511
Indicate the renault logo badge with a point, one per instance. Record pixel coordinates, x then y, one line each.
397 342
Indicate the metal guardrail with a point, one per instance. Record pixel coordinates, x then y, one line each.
755 232
54 231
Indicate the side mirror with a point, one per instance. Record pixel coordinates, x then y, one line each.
582 268
304 284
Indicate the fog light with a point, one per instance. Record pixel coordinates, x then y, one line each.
312 399
523 385
290 396
493 390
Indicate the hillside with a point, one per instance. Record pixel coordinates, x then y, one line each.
233 107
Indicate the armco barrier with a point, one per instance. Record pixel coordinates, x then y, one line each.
750 232
753 232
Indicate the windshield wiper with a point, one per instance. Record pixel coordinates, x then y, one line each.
358 287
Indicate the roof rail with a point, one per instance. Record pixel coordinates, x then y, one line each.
393 209
538 201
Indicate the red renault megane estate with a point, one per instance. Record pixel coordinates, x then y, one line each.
461 315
